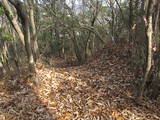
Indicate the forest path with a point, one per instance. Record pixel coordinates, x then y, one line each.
99 90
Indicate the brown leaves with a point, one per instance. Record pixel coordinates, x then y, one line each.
66 116
2 117
53 104
116 115
98 90
96 112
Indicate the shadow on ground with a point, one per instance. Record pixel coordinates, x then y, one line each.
100 90
19 101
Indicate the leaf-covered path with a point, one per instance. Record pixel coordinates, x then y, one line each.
99 90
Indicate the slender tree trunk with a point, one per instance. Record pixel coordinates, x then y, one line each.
88 40
76 48
5 58
130 20
142 6
16 57
113 23
121 11
156 22
149 32
12 19
28 46
34 32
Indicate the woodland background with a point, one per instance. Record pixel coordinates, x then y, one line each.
76 47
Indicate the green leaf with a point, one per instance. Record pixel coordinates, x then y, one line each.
1 29
8 37
1 11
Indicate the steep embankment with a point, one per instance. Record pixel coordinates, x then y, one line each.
101 89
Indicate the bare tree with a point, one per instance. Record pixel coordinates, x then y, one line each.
149 32
22 14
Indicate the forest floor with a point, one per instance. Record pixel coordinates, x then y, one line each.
102 89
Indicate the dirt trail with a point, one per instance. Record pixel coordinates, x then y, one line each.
99 90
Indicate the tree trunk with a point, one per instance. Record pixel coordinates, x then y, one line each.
12 19
34 32
5 58
76 48
88 40
156 22
22 13
16 57
149 31
130 20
